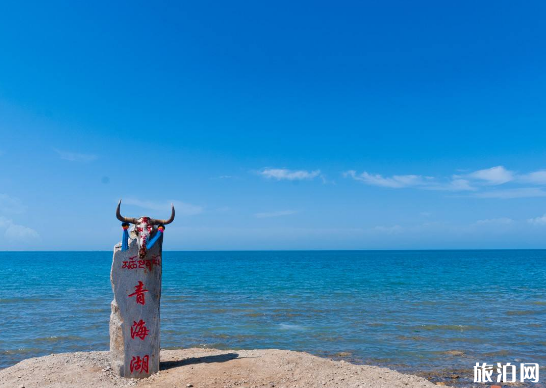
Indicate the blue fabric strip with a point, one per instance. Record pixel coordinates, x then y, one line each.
153 240
124 240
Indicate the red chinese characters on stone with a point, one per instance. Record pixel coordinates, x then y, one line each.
139 365
139 330
139 293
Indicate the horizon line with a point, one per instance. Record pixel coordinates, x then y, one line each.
298 250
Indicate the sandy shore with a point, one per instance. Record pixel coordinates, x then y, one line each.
201 368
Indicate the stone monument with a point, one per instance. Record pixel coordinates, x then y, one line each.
136 282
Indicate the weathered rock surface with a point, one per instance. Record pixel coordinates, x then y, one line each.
134 320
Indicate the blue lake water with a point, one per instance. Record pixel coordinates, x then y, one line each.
410 310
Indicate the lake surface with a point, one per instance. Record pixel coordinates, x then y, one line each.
414 311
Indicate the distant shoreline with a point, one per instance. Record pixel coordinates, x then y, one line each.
299 250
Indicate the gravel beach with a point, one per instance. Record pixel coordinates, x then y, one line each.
200 368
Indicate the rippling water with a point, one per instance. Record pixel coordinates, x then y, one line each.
411 310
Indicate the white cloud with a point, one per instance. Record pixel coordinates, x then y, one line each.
458 184
226 177
11 205
417 181
326 181
182 208
15 233
493 176
523 192
535 177
388 229
75 157
290 175
396 181
280 213
479 181
20 233
4 222
538 220
495 221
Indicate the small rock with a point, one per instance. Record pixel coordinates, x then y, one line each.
189 385
441 383
454 353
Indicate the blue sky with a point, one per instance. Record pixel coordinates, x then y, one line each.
287 125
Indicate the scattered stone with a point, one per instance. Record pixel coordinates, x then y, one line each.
454 353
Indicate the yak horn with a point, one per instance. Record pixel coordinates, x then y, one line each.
121 218
165 222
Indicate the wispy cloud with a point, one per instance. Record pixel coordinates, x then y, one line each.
290 175
493 176
406 181
280 213
495 221
182 208
479 181
326 181
538 220
396 181
388 229
11 205
19 234
76 157
535 177
226 177
457 184
500 224
522 192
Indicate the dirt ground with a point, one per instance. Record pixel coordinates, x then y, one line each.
203 368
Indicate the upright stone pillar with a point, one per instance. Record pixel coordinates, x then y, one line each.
134 321
136 282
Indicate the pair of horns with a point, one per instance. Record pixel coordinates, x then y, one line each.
152 220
